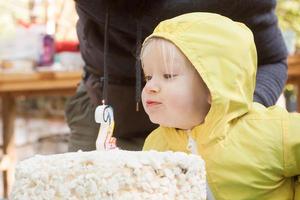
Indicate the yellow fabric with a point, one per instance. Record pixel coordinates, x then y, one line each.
251 152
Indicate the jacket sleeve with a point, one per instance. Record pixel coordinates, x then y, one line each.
270 80
272 66
271 52
291 146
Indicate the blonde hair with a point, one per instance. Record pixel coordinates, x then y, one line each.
169 51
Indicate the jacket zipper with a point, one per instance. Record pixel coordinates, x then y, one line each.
193 148
191 145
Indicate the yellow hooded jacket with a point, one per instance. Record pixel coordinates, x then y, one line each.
251 152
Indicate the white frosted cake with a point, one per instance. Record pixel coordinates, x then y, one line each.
107 175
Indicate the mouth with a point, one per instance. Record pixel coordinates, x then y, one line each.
151 103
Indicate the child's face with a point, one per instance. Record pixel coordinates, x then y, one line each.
174 94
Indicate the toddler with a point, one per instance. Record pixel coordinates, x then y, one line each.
200 71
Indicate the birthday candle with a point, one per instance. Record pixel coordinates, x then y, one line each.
104 115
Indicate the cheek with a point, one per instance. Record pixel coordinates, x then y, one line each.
178 100
143 98
186 106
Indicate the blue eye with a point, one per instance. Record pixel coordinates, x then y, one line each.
169 76
147 78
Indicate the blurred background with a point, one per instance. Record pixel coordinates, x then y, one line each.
40 66
289 22
38 36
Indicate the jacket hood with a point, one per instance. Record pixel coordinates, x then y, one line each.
224 54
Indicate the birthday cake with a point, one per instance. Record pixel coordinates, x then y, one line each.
114 174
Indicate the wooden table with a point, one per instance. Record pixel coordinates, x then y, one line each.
14 85
294 75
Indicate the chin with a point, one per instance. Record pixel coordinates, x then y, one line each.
155 120
160 122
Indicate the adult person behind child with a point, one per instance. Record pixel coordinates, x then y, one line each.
110 35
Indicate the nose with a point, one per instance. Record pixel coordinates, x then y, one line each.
152 86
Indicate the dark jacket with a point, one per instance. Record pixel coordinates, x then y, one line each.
125 16
258 15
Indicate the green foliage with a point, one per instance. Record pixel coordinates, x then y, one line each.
288 12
